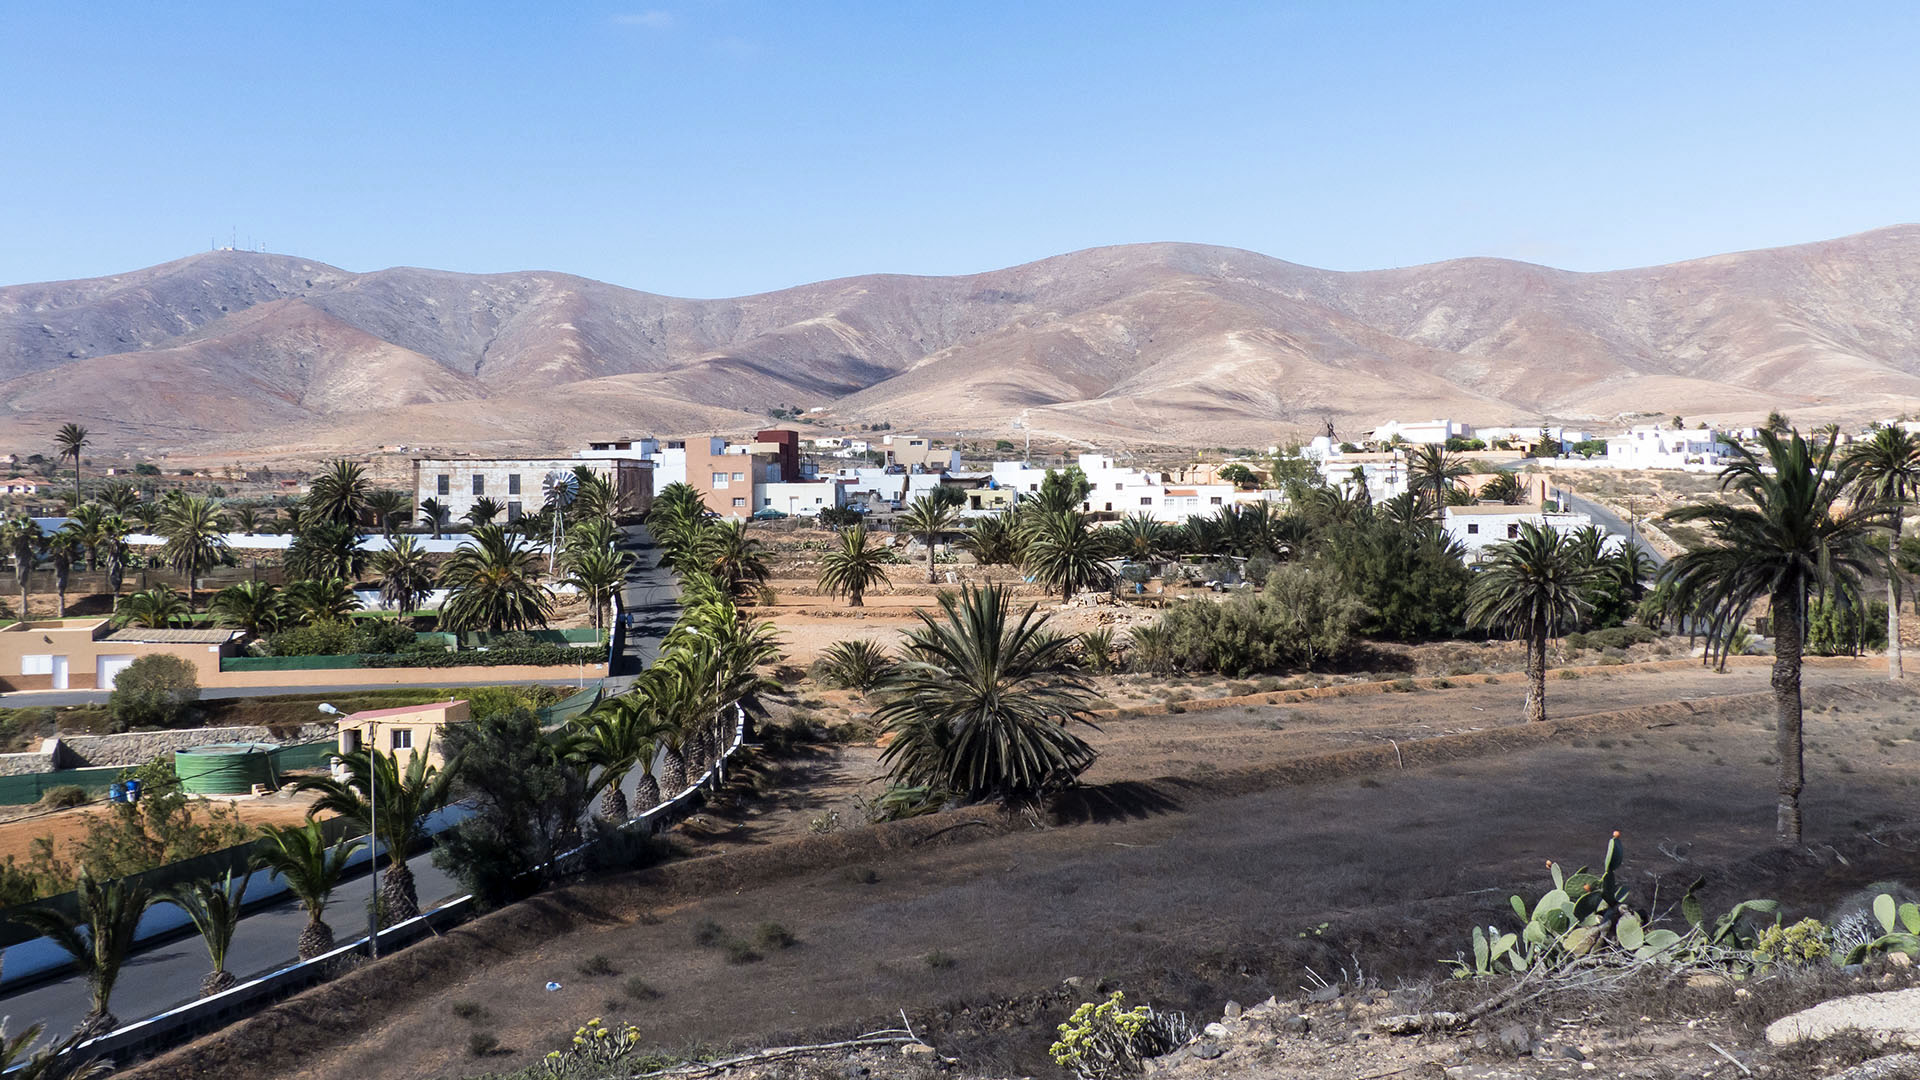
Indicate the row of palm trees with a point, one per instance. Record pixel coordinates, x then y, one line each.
1810 523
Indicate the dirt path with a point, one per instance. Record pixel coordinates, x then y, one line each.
1191 898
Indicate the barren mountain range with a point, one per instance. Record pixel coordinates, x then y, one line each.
1152 343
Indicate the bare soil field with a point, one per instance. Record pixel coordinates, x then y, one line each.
1215 855
65 827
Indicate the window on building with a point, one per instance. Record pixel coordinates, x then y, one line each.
513 483
1146 500
1117 487
739 476
479 484
719 480
1473 530
740 501
1513 532
1215 500
37 664
513 511
444 484
400 738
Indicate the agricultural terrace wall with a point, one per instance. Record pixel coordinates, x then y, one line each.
139 747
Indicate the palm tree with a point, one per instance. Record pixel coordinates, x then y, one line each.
318 600
72 440
339 494
256 607
97 936
404 801
63 548
1531 587
153 609
1065 552
21 537
981 703
433 513
1139 537
595 499
214 906
482 512
388 506
852 567
119 498
1505 488
598 572
927 518
994 541
300 856
1432 473
1789 542
404 572
113 550
1887 471
614 737
195 532
87 521
495 584
245 519
733 556
327 549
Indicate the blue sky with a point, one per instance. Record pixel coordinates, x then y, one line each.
718 147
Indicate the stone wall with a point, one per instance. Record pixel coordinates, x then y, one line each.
139 747
26 764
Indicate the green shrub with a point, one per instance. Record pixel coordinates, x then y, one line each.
158 690
1303 616
544 655
482 1043
739 952
855 664
771 935
597 966
640 989
1105 1041
64 796
707 933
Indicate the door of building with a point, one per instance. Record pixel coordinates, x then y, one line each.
59 673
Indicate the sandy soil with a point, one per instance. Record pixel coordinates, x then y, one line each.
1188 893
67 826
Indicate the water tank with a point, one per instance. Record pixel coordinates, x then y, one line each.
225 768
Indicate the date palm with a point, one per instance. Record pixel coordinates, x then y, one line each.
327 549
86 521
1532 587
615 737
1887 471
851 566
927 518
995 540
482 512
119 498
72 441
97 936
256 607
114 551
1503 488
64 548
152 609
1791 541
1139 537
733 557
405 798
388 506
21 537
594 499
300 856
1432 473
339 494
213 903
1065 552
598 573
404 572
433 513
981 703
494 583
195 533
318 600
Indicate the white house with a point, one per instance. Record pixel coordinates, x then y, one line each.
1422 431
802 498
1651 446
1383 475
1120 491
1478 528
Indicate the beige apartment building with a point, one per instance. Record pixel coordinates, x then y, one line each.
518 485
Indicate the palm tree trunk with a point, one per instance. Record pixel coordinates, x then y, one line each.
1537 674
316 939
397 894
931 578
1893 599
853 598
613 805
1789 624
646 794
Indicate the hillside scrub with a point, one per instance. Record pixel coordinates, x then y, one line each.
1304 615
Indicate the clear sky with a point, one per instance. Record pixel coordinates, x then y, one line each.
718 147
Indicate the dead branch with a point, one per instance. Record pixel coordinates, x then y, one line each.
783 1053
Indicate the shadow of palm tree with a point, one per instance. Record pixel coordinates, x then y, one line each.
1102 804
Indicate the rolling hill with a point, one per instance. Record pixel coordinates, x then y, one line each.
1165 343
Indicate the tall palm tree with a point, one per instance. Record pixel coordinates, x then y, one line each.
494 583
195 533
1432 473
245 519
327 549
404 572
1789 542
433 513
404 799
733 556
300 856
339 494
1532 587
594 499
1065 552
256 607
58 1060
614 737
1887 471
213 903
153 609
72 441
981 703
852 567
113 550
483 511
598 572
318 600
97 936
21 536
64 547
387 507
119 498
87 521
927 518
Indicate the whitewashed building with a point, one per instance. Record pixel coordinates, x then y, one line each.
1422 431
518 485
1651 446
802 498
1478 528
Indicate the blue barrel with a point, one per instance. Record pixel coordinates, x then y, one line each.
117 793
133 791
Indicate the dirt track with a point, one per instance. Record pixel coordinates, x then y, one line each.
1192 891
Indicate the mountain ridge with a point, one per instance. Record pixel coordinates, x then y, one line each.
1162 342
